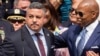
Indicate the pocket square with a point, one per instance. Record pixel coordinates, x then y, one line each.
93 47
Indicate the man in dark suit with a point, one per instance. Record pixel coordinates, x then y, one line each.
86 14
5 29
22 4
24 42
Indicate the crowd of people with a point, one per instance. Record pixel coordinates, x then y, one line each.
34 28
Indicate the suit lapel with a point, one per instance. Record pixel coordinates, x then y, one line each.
27 37
76 33
47 37
76 30
93 37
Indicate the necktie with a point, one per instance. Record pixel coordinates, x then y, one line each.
80 45
40 44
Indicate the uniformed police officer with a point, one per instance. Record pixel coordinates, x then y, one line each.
16 17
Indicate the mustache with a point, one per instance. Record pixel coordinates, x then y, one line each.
34 24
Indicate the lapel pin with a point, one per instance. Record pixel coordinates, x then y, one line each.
48 35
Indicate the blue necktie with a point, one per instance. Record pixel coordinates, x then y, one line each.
81 42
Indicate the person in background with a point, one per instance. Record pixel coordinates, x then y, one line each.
83 36
65 10
72 14
52 18
53 24
5 27
6 5
56 3
22 4
16 17
32 39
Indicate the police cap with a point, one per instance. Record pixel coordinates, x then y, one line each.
16 14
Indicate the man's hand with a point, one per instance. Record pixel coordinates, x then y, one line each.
92 53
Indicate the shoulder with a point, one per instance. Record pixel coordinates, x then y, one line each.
14 35
3 21
74 29
45 30
48 32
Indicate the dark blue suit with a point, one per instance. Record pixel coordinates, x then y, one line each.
7 27
69 38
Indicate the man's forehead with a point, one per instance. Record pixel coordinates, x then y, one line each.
35 12
76 1
35 9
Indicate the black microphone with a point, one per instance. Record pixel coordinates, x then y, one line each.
22 39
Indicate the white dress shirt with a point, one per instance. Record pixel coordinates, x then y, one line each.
42 37
90 29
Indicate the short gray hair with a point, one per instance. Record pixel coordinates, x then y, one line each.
16 2
37 5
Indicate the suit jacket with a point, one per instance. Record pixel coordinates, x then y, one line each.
69 37
22 44
7 27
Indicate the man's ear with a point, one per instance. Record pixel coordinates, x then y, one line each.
94 14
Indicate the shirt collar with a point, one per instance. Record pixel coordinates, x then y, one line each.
92 26
33 32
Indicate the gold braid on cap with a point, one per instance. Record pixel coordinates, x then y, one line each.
16 17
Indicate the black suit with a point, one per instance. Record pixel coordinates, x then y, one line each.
22 43
7 27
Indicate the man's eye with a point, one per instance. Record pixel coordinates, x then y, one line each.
38 17
31 16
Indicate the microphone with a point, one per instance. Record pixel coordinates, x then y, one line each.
22 39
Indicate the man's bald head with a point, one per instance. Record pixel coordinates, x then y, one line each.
75 3
98 1
91 4
87 12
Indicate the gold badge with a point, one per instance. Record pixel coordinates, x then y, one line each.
6 1
17 11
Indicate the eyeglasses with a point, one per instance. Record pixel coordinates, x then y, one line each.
72 9
14 21
77 12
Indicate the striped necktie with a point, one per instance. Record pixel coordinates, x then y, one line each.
81 42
